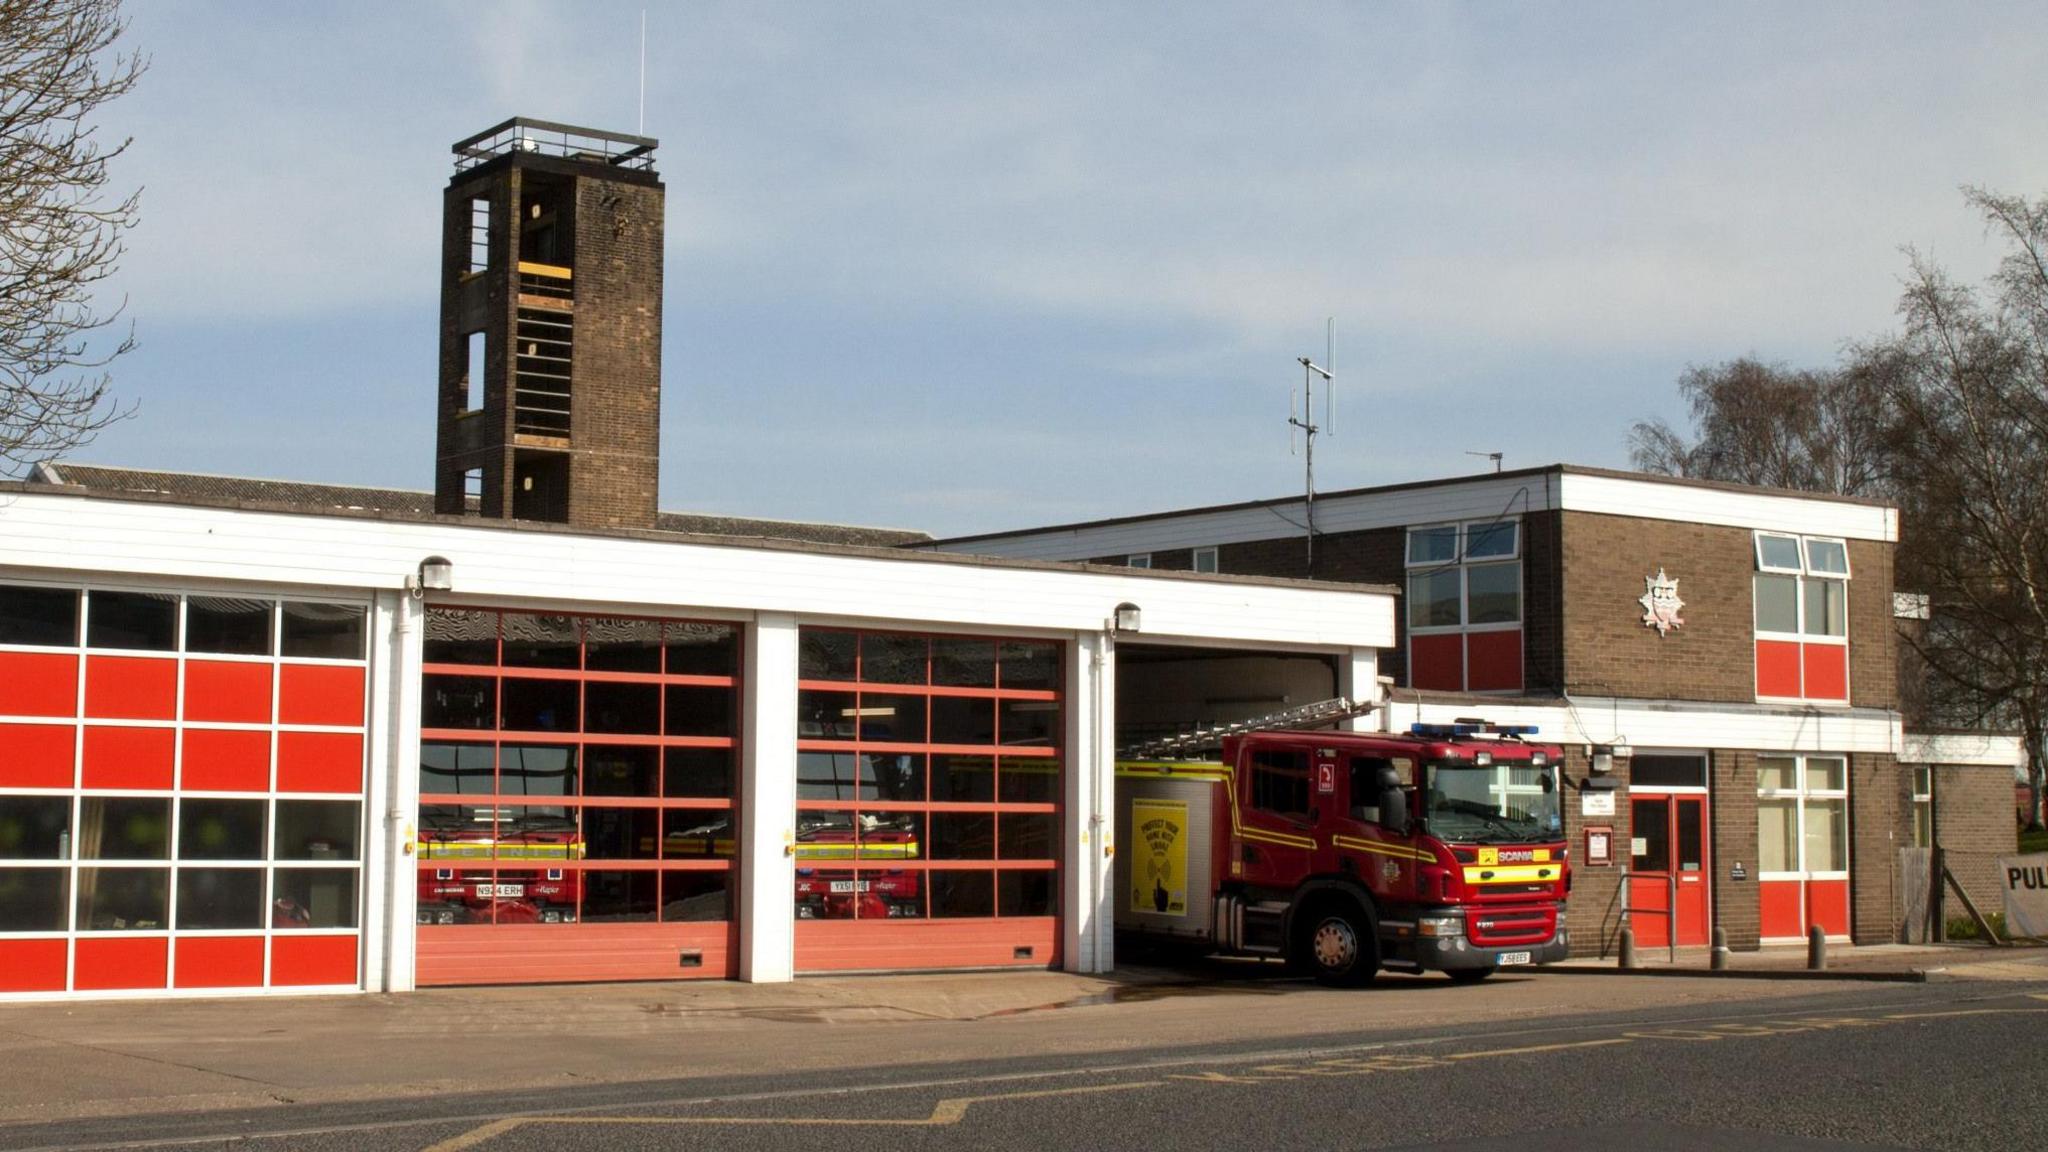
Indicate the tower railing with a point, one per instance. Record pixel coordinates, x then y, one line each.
562 141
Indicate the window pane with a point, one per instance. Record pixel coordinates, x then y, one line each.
542 705
624 708
536 641
963 894
824 715
1026 664
1827 604
1028 780
963 836
695 896
47 616
694 711
1778 552
1433 599
1777 603
697 772
122 899
1829 557
1029 723
623 771
220 830
1777 832
1827 835
1494 593
458 702
892 718
220 897
124 828
1776 774
1279 782
1648 770
1488 540
620 833
827 776
542 832
460 636
313 898
1650 825
620 896
1923 824
537 770
1025 893
230 627
465 769
34 899
895 775
963 779
825 655
1923 782
1438 545
964 719
318 829
324 631
958 663
1204 561
131 620
1825 775
35 827
892 659
615 645
702 649
1026 836
698 834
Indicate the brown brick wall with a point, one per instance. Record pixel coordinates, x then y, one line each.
616 404
1594 907
1873 636
1975 824
1732 796
1877 830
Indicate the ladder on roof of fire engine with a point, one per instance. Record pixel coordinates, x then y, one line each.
1181 744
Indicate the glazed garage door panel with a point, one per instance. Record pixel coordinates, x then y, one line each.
928 785
577 784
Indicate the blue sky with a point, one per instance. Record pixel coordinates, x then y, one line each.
969 267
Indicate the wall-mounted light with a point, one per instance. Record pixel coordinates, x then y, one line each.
1126 619
436 574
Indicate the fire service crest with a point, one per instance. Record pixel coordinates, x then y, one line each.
1661 603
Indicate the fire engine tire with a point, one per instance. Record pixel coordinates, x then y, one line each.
1336 944
1470 975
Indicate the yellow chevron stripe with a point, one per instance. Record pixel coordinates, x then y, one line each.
1400 851
1512 874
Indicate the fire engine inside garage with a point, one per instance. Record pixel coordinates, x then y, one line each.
268 750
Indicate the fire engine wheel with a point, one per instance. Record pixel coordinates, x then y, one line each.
1337 946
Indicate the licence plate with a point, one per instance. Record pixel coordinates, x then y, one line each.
850 885
1514 958
501 891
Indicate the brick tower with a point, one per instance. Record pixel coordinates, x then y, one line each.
550 401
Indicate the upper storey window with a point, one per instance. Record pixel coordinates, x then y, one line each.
1802 618
1465 606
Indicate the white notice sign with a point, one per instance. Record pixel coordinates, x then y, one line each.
1596 803
2025 880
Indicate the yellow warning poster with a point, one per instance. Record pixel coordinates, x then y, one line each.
1159 874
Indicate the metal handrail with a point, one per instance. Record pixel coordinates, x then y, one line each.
1669 912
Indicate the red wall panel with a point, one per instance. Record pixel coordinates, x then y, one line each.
226 761
1827 904
38 684
1827 671
127 757
31 965
307 960
1777 668
1493 661
123 962
1782 910
131 687
37 755
219 962
320 694
1437 663
226 692
319 762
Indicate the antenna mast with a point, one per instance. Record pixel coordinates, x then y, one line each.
1307 423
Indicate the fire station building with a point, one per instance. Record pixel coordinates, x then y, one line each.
260 736
1720 662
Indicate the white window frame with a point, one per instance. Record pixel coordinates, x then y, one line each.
1800 794
1464 564
1138 560
1923 804
1204 560
1801 575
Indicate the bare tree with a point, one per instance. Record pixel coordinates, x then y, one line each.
1766 424
60 227
1969 378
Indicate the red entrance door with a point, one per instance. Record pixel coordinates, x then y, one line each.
1669 844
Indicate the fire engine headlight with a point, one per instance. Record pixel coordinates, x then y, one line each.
1440 926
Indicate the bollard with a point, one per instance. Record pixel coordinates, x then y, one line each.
1718 958
1816 948
1628 948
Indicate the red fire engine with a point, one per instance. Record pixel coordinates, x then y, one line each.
1441 849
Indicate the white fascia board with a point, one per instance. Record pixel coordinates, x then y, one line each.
1482 499
1801 514
1647 725
67 535
1963 749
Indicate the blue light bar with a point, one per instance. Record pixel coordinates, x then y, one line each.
1452 731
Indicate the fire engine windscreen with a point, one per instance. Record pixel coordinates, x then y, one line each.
1498 803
